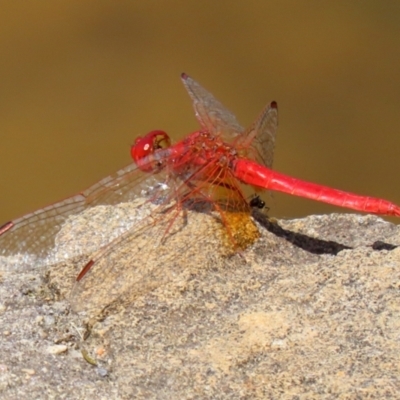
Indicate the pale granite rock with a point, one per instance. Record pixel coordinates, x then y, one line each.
311 310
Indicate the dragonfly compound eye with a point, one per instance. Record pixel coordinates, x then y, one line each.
146 146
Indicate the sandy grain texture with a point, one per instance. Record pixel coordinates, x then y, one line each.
311 310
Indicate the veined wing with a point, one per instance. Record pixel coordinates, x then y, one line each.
259 137
160 248
34 233
163 244
211 114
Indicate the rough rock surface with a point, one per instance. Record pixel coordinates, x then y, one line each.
311 310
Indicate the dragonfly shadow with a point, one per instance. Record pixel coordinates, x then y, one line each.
307 243
379 245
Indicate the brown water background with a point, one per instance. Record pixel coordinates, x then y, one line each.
79 80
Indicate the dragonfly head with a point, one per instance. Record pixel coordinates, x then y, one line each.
146 146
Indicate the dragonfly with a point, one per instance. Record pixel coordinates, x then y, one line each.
207 168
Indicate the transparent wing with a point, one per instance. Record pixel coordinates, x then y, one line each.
168 244
163 244
34 233
259 138
211 114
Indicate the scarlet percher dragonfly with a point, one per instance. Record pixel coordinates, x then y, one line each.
207 166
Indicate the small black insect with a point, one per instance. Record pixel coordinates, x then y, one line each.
257 202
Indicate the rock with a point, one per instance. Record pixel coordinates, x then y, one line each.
57 349
312 310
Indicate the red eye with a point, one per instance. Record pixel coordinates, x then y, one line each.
144 146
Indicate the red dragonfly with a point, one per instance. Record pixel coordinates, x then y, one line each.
207 167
